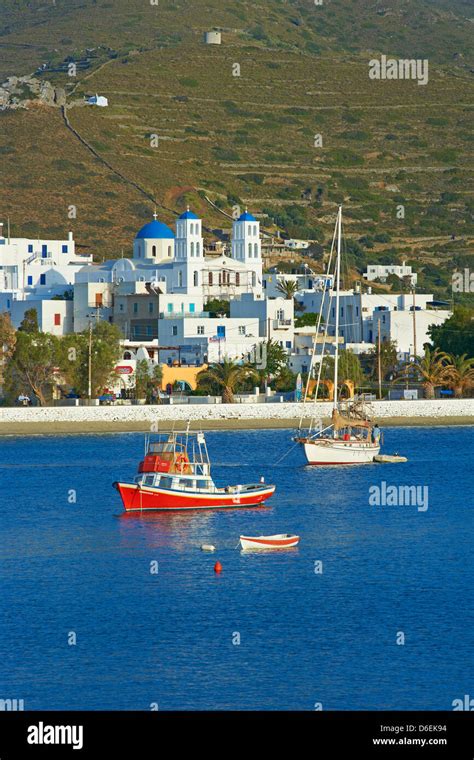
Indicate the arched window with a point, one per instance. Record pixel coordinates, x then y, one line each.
250 250
192 249
180 279
237 278
255 250
255 229
210 278
196 279
254 279
127 356
198 249
169 250
153 250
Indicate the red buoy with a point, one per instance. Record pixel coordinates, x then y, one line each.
218 567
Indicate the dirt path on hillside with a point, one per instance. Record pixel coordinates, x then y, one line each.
97 155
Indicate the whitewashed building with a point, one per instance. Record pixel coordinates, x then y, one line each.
382 271
275 317
360 315
305 280
199 338
38 270
55 316
98 100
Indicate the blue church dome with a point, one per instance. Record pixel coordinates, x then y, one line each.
189 215
246 217
155 230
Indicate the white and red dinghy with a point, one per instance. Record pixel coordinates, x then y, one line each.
171 479
279 541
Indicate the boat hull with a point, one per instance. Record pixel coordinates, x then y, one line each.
142 499
260 542
327 451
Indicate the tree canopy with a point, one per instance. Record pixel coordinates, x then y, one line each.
456 335
349 367
226 378
74 357
7 343
29 323
33 365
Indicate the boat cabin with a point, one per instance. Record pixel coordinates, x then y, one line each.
177 462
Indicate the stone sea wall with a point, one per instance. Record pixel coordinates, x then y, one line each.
436 410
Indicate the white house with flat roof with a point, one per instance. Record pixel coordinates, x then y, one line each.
98 100
37 270
55 316
400 327
305 280
29 266
275 316
382 271
360 315
201 339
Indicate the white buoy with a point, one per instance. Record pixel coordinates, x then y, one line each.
208 548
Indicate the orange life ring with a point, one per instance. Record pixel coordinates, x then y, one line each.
181 462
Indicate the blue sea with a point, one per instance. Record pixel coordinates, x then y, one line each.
373 610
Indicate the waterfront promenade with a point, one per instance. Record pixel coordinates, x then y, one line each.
60 419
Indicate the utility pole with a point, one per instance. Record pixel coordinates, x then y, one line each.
414 325
379 362
266 348
90 360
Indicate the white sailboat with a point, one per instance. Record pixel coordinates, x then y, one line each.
350 438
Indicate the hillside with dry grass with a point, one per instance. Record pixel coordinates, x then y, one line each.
299 130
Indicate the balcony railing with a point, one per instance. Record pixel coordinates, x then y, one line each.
281 324
178 314
141 333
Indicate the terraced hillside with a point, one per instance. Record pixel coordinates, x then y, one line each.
300 128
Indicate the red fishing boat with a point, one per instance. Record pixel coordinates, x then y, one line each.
176 475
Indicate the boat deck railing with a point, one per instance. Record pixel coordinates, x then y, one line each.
210 487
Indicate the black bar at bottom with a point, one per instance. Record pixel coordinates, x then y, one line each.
151 734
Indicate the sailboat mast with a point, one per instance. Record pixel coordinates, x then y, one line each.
338 279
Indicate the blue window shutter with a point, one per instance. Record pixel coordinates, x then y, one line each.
30 248
30 279
64 248
42 279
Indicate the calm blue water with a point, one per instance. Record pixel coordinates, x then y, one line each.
304 637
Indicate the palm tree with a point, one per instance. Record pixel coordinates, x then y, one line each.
432 369
460 374
227 376
288 288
